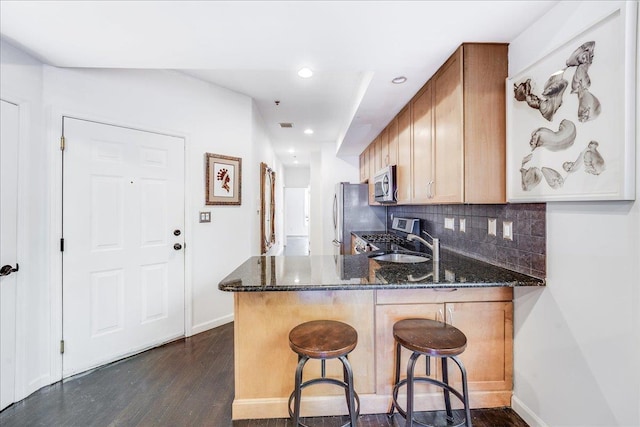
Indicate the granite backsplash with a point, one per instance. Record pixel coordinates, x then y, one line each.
526 253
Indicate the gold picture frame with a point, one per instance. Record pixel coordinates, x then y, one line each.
267 207
223 180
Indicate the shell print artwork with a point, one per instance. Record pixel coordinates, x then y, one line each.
581 79
553 178
522 90
552 95
593 161
590 157
554 141
588 106
530 177
582 55
223 175
550 100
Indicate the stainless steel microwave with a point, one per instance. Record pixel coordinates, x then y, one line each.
384 185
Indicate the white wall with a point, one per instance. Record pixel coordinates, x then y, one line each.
21 83
264 153
577 342
210 118
296 177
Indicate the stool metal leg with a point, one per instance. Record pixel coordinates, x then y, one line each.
465 390
302 360
447 399
396 380
350 391
410 374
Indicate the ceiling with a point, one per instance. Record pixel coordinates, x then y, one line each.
355 49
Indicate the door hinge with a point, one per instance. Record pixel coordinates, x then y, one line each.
62 245
62 143
61 346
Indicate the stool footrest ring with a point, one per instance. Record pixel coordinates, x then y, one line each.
433 381
344 384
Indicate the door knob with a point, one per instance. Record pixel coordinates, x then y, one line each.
177 246
176 232
7 269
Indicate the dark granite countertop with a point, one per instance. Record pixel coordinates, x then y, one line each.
358 272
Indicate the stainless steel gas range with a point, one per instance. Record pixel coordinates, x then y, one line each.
395 239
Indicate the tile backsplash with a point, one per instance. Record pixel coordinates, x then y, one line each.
525 252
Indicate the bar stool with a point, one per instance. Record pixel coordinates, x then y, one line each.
324 339
431 339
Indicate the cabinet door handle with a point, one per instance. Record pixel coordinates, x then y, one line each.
450 315
440 315
430 190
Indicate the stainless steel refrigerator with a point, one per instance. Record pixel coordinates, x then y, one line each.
351 212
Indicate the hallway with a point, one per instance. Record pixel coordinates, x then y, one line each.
297 245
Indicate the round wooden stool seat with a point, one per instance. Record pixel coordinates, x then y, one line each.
323 339
430 337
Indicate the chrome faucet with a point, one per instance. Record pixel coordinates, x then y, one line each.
435 247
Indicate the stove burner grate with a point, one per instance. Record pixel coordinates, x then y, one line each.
383 238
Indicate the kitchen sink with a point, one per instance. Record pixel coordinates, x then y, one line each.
400 257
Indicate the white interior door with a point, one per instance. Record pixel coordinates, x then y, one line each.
296 212
9 142
123 227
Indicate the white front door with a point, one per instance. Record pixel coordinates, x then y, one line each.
9 139
123 230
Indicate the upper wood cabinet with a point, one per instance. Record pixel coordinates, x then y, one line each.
403 165
484 115
422 145
447 184
454 132
364 165
373 168
470 122
392 143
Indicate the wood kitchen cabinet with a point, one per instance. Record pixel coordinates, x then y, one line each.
392 143
469 126
422 145
485 316
452 134
372 171
403 165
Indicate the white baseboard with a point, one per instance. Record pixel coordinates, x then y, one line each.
526 413
201 327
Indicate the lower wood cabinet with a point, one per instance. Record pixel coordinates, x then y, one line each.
484 316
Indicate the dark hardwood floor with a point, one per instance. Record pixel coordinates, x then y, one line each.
188 382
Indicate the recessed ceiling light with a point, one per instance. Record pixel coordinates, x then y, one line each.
399 80
308 131
295 162
291 150
305 72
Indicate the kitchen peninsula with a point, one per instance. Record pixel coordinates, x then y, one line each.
274 294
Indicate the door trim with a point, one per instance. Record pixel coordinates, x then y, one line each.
54 131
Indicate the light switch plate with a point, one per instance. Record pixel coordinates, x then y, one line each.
463 225
507 230
449 223
205 216
492 226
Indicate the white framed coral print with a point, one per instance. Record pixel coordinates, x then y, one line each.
571 117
